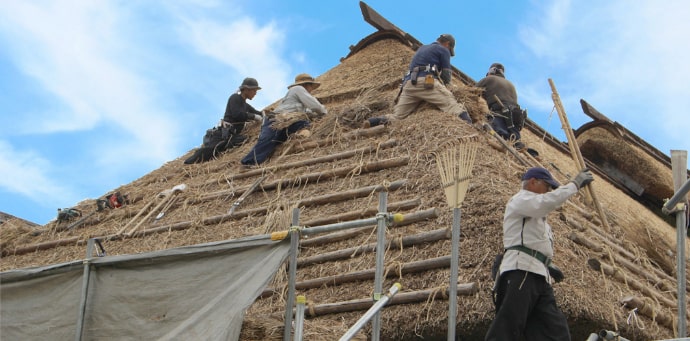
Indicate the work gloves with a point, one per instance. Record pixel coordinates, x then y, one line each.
583 178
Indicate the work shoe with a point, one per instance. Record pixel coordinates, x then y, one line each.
519 145
374 121
532 152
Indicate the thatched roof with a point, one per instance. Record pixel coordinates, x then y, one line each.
320 175
628 159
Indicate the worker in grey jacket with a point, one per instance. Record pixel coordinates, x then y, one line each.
525 303
298 100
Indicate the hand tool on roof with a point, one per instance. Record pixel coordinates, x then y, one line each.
80 221
246 193
166 208
166 196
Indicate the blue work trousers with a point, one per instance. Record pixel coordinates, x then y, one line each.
269 139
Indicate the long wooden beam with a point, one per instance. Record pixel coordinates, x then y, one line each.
397 243
466 289
393 271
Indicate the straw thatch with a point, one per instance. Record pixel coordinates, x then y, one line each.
361 86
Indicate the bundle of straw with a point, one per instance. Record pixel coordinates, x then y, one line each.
455 165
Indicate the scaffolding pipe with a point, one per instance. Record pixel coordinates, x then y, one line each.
292 273
381 219
679 161
84 288
299 318
454 259
346 225
670 206
370 313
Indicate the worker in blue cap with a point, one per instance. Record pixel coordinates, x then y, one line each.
525 303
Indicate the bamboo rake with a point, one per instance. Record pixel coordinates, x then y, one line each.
455 165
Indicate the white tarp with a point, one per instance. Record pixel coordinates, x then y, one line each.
190 293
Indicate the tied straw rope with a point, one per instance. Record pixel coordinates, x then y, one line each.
455 165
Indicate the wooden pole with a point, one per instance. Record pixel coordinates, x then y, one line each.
401 298
597 265
577 155
395 244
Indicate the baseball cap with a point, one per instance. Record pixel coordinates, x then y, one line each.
540 173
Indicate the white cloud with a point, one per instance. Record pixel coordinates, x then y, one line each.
26 173
626 59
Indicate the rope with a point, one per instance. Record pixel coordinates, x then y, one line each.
634 321
606 286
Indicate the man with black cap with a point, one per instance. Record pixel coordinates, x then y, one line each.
427 79
238 111
507 119
525 303
227 134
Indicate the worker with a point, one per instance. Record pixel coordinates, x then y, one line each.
427 79
525 303
506 118
291 116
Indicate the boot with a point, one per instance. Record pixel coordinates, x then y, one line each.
374 121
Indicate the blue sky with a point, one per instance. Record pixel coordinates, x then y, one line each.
95 94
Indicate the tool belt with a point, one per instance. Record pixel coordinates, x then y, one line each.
513 115
421 70
534 253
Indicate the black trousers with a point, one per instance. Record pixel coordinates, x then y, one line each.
526 308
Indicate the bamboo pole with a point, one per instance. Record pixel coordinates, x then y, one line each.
652 276
329 198
359 214
410 218
374 131
577 155
645 309
395 244
327 158
466 289
597 265
368 274
318 176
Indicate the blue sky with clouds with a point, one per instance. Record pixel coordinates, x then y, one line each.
95 94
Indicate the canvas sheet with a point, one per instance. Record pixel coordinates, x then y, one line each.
190 293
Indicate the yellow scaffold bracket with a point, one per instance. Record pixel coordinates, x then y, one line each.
280 235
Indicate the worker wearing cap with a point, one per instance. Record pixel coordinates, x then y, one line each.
432 60
238 111
298 108
525 303
507 118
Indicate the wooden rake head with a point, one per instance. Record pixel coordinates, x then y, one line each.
455 166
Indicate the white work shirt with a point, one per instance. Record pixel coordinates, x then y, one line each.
298 99
532 208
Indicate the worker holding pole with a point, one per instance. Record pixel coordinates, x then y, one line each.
525 303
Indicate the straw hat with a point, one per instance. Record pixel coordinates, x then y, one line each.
305 78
